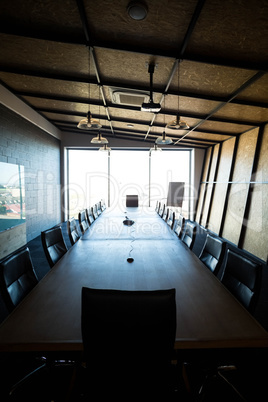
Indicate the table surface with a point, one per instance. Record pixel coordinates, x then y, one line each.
208 316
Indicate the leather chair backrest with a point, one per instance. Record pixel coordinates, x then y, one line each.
160 209
99 210
212 253
72 229
94 212
17 277
132 200
103 205
242 277
166 214
189 234
83 221
90 218
163 213
179 226
138 326
171 219
53 244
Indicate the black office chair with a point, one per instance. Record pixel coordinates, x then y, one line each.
103 205
17 277
132 201
171 219
165 214
242 277
160 209
157 205
53 244
72 230
179 226
189 234
213 252
90 217
99 210
128 339
94 212
83 222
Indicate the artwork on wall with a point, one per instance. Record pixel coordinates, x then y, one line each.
12 195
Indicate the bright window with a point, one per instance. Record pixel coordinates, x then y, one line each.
88 179
167 166
129 175
94 175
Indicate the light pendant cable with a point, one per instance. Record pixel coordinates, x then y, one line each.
164 140
177 123
89 121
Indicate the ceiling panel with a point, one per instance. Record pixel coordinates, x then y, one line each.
210 62
164 27
243 112
223 127
234 30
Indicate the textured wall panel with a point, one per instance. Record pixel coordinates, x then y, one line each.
221 185
25 144
239 190
203 186
256 236
210 184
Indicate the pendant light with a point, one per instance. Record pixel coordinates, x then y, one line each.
164 140
89 121
105 148
177 123
155 149
99 139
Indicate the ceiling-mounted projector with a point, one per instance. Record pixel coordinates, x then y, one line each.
151 107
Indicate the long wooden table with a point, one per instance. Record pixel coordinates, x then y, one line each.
208 316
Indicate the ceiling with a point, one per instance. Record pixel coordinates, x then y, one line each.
63 57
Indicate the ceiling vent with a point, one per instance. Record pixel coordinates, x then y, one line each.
128 97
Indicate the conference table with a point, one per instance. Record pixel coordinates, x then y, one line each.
208 316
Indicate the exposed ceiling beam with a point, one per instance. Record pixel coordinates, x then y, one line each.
231 97
65 124
133 137
191 27
157 89
115 106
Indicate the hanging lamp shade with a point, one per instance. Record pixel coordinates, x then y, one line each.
178 124
99 139
164 140
155 149
89 122
105 148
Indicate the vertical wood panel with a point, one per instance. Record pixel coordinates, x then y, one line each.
203 185
256 231
225 162
210 184
239 190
